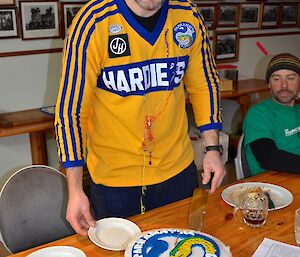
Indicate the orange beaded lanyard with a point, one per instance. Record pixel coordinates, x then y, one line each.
148 142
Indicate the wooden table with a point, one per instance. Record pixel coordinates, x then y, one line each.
243 92
219 222
244 240
36 122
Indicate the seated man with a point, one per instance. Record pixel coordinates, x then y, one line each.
272 127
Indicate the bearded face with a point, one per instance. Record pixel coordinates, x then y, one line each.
150 5
285 86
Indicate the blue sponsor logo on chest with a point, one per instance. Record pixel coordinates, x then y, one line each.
143 77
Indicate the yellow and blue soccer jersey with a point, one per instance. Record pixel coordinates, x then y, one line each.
115 73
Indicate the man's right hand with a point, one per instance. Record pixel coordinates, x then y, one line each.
79 213
78 210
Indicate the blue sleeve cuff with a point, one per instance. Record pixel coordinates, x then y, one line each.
217 126
70 164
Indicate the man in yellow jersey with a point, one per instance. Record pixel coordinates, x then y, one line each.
121 107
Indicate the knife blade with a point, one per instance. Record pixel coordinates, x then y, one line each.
198 206
197 210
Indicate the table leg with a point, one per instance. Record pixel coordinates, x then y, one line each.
244 101
38 148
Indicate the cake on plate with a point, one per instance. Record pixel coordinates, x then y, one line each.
176 242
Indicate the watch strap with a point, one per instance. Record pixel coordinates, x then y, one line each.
218 148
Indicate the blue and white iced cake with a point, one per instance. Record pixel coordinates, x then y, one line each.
176 242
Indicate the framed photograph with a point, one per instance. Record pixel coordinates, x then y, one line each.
7 2
69 10
289 14
9 26
250 15
299 15
209 13
226 45
228 15
270 15
40 19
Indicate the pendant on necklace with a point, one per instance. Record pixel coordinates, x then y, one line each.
148 143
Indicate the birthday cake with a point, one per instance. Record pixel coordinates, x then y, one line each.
176 242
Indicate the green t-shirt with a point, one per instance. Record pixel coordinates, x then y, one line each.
270 119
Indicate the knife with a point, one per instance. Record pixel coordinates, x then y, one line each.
270 202
198 206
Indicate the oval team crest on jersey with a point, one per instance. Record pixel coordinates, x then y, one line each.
184 34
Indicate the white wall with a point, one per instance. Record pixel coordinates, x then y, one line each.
29 81
32 81
252 62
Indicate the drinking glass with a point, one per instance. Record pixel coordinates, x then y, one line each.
253 210
297 225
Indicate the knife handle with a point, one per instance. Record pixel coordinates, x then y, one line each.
208 185
270 202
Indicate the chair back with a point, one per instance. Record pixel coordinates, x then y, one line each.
241 165
33 204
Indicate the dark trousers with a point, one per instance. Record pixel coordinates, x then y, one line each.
126 201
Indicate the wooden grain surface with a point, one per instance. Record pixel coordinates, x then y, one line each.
219 222
23 117
242 239
246 87
27 121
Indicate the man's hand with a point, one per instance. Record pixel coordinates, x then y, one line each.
212 163
78 209
79 213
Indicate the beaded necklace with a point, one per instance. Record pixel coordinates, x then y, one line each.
148 142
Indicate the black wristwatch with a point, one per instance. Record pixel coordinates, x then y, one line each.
218 148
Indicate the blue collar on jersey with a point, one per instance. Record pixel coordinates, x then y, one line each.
150 37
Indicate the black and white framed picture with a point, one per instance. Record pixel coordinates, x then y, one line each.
9 26
289 14
250 15
270 15
228 15
69 10
7 2
209 13
40 19
226 45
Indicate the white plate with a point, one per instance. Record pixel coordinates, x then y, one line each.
58 251
113 233
280 196
48 109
